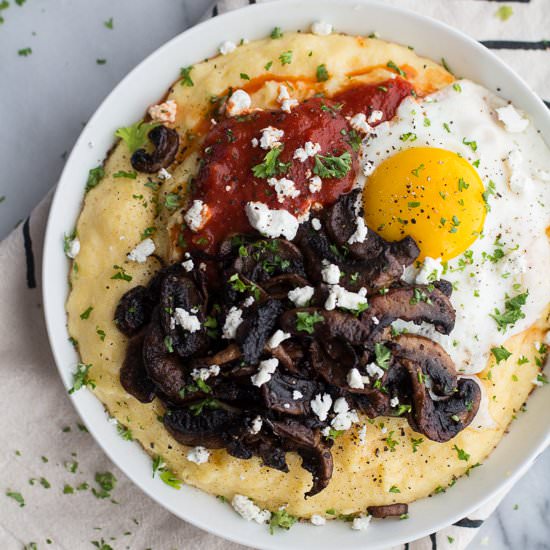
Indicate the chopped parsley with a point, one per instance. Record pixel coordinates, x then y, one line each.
322 73
123 174
135 135
95 175
462 185
383 355
500 353
185 73
504 13
276 33
409 136
471 144
121 274
124 432
86 314
354 139
415 443
271 165
391 65
490 190
267 66
101 61
171 201
109 23
512 311
281 519
106 482
390 442
24 52
81 378
244 76
305 321
286 58
457 87
327 166
168 344
462 454
416 171
394 489
18 497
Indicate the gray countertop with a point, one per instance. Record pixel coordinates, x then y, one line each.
45 99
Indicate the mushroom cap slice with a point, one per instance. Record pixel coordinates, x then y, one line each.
166 142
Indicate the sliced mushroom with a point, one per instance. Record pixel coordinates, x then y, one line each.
279 286
278 394
166 142
133 376
133 311
388 510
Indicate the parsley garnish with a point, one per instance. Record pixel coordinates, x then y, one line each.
504 13
398 70
322 73
86 314
457 87
305 321
383 355
244 76
327 166
415 443
416 171
18 497
394 489
286 58
490 190
80 377
124 432
123 174
171 201
271 164
94 177
281 519
500 353
101 61
135 135
390 442
462 184
276 33
471 144
109 23
409 136
354 139
121 274
267 66
106 482
25 52
462 454
185 73
209 403
512 311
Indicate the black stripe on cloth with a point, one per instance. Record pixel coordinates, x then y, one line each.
516 44
215 10
29 256
434 541
470 523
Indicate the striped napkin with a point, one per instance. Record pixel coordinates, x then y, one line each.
51 483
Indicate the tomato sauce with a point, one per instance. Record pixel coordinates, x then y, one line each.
226 181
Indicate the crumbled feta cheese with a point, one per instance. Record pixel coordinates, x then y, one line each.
321 28
227 47
238 104
320 405
430 271
340 297
197 215
316 519
277 338
363 434
186 321
73 249
360 233
316 223
374 370
232 322
340 405
287 105
286 405
198 455
375 116
284 188
301 295
205 373
354 379
271 223
142 251
344 416
265 369
249 301
254 142
514 122
188 263
359 123
285 100
271 137
165 112
315 184
331 274
360 523
246 508
394 401
296 394
309 149
163 174
256 425
375 320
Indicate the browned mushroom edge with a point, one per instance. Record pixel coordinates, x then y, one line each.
166 142
206 349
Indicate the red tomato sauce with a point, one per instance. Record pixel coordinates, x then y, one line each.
226 181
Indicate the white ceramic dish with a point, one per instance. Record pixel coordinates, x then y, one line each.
529 435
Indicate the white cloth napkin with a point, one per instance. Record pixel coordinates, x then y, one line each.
48 463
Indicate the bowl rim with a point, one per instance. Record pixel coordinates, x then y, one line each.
55 291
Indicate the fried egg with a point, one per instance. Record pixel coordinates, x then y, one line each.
472 187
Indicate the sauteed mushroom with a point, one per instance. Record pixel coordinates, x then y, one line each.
166 142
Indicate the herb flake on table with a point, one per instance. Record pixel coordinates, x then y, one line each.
18 497
107 482
504 13
24 52
109 24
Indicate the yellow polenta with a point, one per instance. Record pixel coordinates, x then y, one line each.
118 211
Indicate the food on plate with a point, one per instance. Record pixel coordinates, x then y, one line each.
312 279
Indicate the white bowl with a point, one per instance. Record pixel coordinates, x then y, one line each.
529 434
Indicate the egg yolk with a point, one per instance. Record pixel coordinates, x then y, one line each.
431 194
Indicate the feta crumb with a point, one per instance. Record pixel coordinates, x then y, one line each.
256 425
198 455
374 370
271 223
340 297
320 405
227 47
249 301
254 142
309 149
340 405
205 373
232 322
359 123
186 321
296 394
344 416
271 137
394 402
265 369
164 112
375 116
285 100
142 251
73 249
360 233
354 379
315 184
316 519
514 122
375 320
301 295
286 405
287 105
197 215
316 223
321 28
331 274
363 434
277 338
284 188
188 263
246 508
360 523
430 271
238 104
163 174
